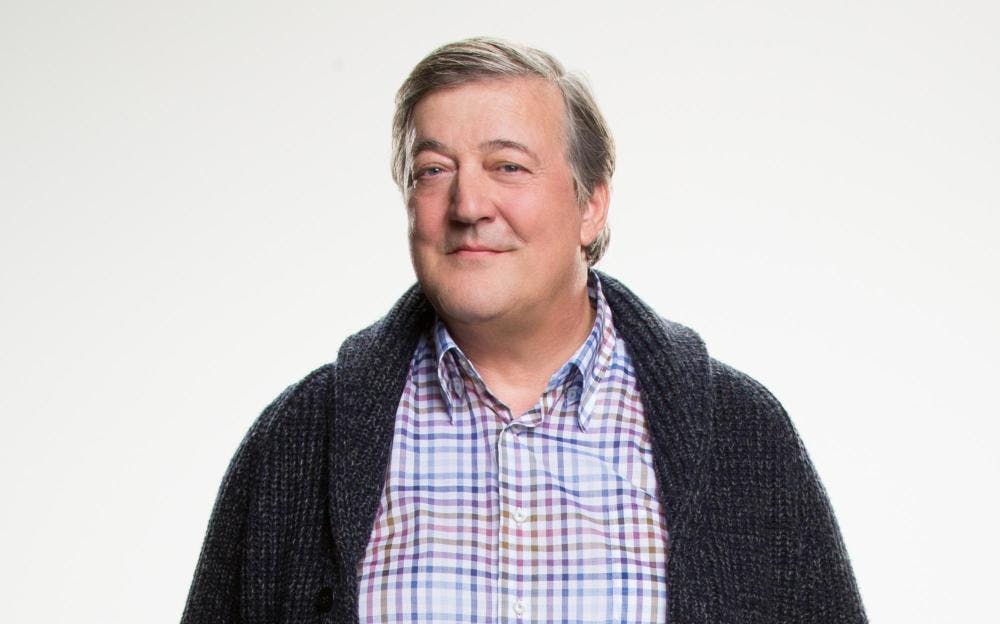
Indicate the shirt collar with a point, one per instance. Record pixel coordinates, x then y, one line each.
579 377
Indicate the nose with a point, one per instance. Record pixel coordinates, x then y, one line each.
470 200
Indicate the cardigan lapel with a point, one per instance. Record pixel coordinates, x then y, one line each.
372 367
671 364
672 368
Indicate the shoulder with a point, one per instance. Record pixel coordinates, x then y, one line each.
745 408
756 444
294 418
736 388
368 361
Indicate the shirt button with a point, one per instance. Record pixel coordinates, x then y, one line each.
519 607
458 386
572 394
520 515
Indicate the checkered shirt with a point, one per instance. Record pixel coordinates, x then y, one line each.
551 516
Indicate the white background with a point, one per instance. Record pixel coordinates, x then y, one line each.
195 209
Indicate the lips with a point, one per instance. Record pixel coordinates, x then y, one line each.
474 254
475 250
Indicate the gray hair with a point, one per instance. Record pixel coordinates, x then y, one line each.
589 145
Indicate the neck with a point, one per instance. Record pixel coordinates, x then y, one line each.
516 357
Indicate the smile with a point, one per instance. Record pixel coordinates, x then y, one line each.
474 252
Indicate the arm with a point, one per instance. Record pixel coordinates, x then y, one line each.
216 587
767 494
815 582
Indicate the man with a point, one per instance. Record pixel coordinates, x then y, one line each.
520 438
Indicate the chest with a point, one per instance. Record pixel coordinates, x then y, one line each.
493 519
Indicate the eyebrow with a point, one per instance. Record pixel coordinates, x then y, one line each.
492 145
499 144
424 145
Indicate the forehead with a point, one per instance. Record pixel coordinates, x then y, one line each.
520 109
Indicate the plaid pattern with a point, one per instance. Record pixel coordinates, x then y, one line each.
552 516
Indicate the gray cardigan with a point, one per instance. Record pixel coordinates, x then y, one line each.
752 536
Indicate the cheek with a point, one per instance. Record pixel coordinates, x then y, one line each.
527 212
424 224
550 222
561 217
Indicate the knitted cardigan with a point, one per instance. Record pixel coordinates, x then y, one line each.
752 536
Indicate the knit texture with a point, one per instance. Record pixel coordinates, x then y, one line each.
753 537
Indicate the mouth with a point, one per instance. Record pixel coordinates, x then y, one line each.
473 251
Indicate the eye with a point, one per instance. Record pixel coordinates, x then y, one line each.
427 172
511 168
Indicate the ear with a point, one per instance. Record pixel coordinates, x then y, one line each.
594 213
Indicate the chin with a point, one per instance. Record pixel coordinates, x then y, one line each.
468 305
467 297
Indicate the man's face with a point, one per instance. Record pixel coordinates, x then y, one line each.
494 225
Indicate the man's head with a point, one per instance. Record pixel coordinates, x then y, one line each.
497 148
590 148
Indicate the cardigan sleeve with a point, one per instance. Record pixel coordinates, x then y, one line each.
817 583
778 498
215 590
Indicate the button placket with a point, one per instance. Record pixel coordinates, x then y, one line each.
512 515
